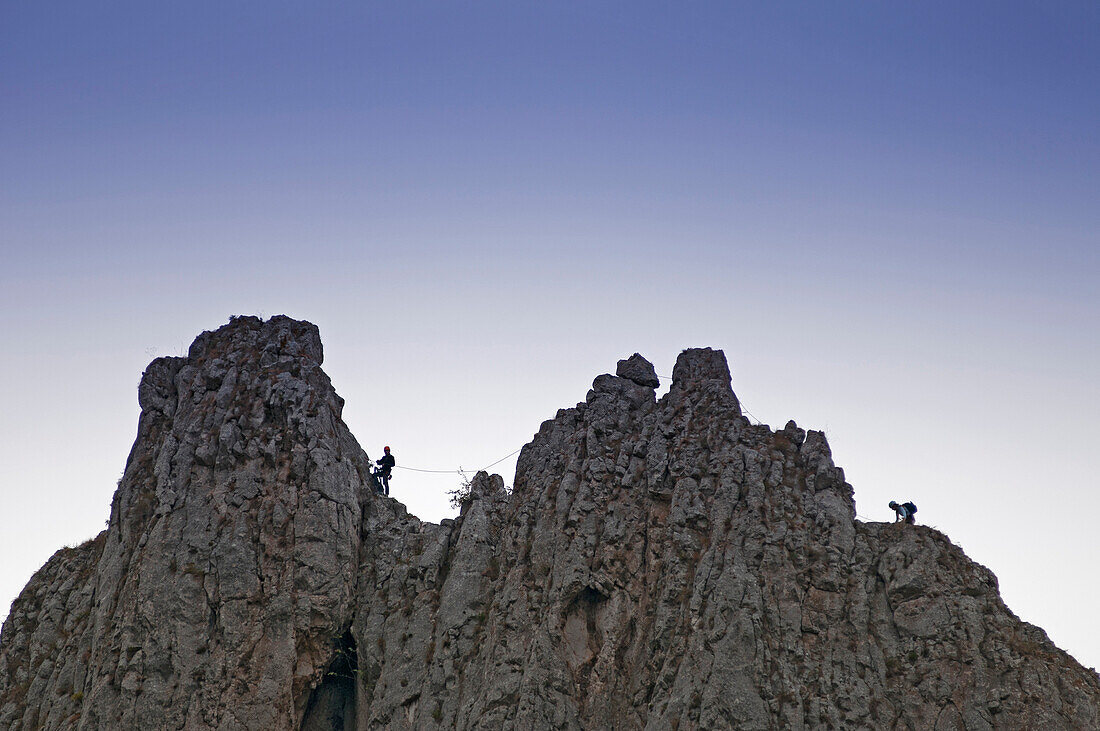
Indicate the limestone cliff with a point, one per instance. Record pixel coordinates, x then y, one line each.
658 564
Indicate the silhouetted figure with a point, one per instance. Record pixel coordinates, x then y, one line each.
385 465
904 512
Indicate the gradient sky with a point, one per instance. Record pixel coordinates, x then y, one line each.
886 214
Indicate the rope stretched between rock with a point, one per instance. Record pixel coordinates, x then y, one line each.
459 471
493 464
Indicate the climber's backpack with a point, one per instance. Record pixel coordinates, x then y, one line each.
910 507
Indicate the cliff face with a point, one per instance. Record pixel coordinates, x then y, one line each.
211 599
658 564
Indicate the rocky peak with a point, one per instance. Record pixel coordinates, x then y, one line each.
700 364
250 339
703 374
638 369
659 563
231 552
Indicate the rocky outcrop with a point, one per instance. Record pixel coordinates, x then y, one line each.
229 561
657 564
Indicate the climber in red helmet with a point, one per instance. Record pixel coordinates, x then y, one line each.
385 466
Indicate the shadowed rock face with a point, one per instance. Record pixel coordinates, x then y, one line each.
658 564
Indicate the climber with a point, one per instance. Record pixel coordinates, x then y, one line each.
385 465
904 512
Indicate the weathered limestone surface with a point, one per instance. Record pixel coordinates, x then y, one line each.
659 564
229 562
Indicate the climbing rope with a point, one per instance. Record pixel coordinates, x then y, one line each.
417 469
499 460
459 471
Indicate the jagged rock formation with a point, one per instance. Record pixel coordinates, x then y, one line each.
658 564
211 599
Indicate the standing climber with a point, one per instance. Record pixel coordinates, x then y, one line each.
385 465
904 512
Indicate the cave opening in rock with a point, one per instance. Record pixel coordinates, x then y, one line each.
331 705
581 633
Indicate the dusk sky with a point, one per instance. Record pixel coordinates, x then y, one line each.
886 214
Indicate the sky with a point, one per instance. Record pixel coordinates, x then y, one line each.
886 215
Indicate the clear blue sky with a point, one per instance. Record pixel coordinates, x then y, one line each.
886 214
